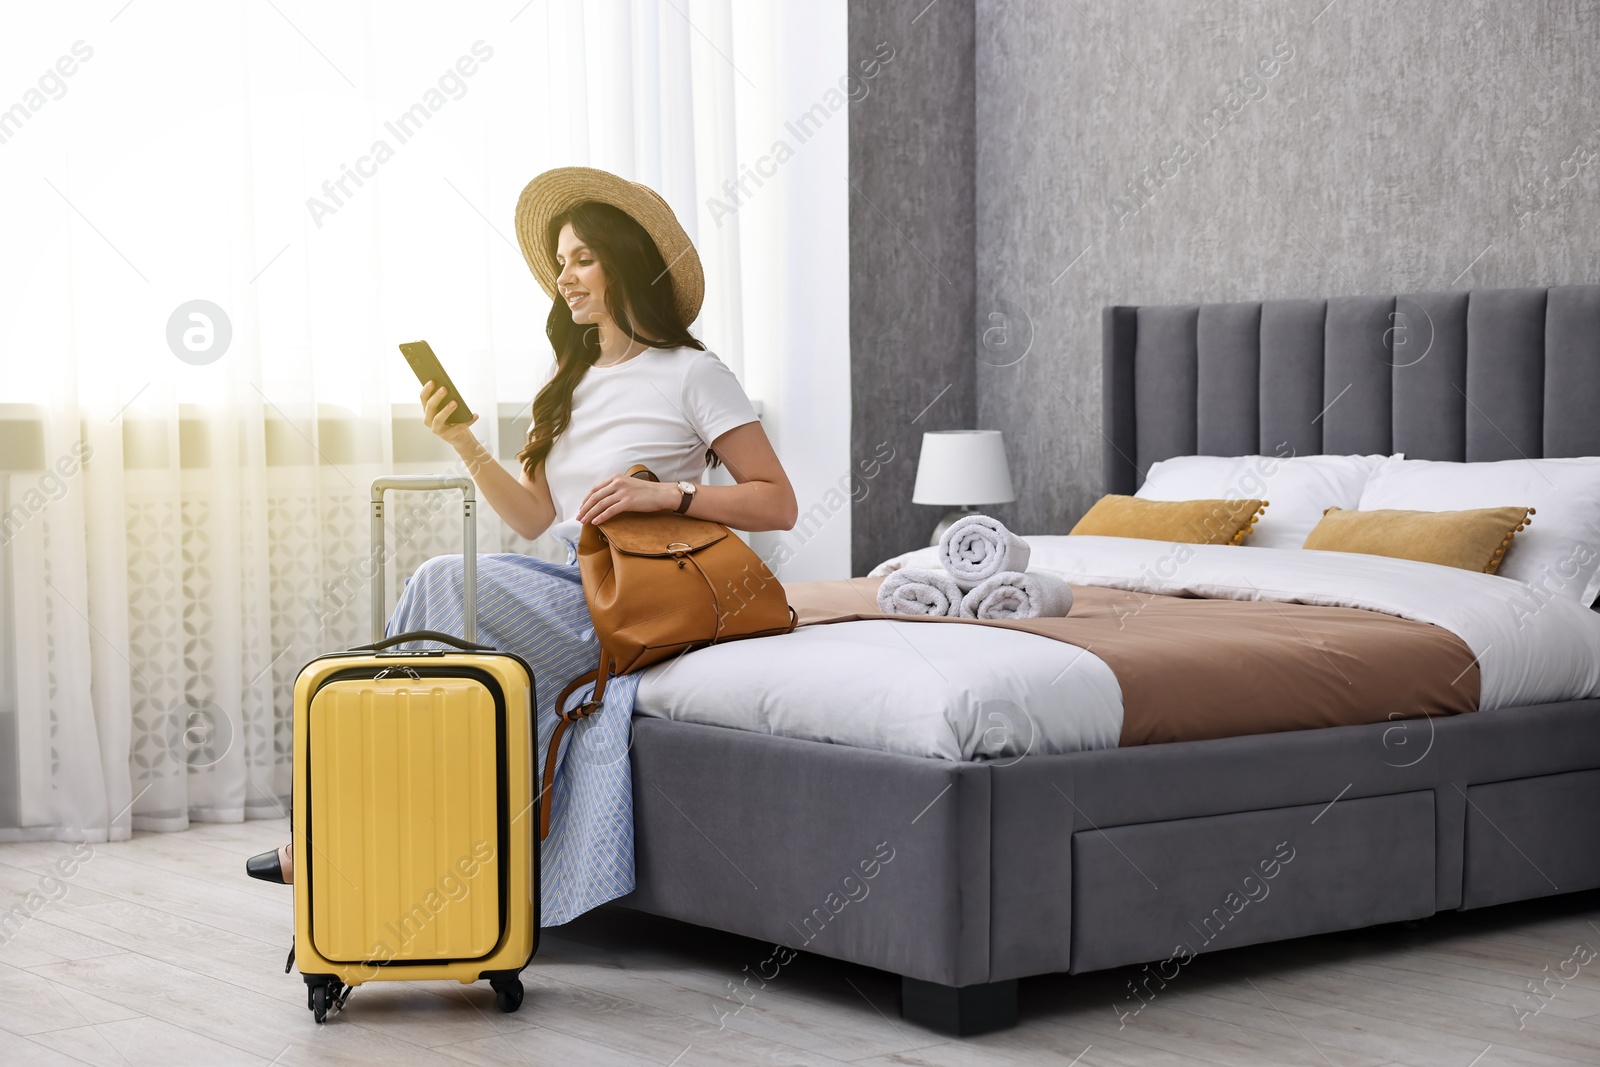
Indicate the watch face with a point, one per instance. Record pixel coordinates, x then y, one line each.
687 487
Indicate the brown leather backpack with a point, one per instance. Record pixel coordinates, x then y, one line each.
660 584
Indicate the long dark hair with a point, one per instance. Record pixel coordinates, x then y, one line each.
639 297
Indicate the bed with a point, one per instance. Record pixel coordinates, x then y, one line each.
963 875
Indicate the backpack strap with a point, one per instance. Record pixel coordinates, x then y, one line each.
599 676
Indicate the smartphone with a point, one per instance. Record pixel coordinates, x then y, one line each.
427 369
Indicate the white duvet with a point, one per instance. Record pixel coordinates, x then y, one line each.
965 692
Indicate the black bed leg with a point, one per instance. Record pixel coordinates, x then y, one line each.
963 1011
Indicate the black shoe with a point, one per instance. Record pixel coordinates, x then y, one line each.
268 866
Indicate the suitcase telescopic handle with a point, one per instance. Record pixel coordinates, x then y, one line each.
469 547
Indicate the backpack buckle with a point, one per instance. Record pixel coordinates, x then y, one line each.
583 711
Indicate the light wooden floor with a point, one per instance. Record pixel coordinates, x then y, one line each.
161 952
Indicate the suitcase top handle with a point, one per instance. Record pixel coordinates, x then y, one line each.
469 546
422 635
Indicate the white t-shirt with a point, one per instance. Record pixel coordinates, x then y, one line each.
662 408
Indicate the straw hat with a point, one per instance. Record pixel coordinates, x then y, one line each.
557 190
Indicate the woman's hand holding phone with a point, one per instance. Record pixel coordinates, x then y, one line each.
436 411
524 503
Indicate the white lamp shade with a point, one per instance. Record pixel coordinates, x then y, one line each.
959 467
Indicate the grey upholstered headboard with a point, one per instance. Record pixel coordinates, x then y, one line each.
1485 375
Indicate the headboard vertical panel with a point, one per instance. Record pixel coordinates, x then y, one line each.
1118 331
1572 372
1291 377
1505 373
1430 376
1228 390
1165 369
1357 379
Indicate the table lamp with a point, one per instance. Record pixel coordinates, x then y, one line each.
961 469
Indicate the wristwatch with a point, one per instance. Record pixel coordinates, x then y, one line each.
687 489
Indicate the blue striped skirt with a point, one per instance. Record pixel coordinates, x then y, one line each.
536 609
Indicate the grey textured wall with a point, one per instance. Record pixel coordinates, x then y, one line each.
912 231
1400 146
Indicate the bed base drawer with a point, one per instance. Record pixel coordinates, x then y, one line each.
1159 891
1520 838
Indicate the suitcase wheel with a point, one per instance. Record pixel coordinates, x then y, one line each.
507 995
324 995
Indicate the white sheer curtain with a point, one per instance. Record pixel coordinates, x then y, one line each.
183 520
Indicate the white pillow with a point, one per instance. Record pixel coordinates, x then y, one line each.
1297 488
1559 550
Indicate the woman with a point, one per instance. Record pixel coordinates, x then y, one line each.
630 385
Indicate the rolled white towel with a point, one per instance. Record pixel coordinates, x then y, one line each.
977 547
1015 595
919 591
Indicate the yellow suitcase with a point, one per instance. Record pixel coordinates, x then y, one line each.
414 804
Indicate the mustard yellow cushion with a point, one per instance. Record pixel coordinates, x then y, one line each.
1197 522
1472 540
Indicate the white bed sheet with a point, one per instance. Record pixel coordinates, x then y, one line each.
965 692
923 689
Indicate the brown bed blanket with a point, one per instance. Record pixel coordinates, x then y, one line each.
1194 668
